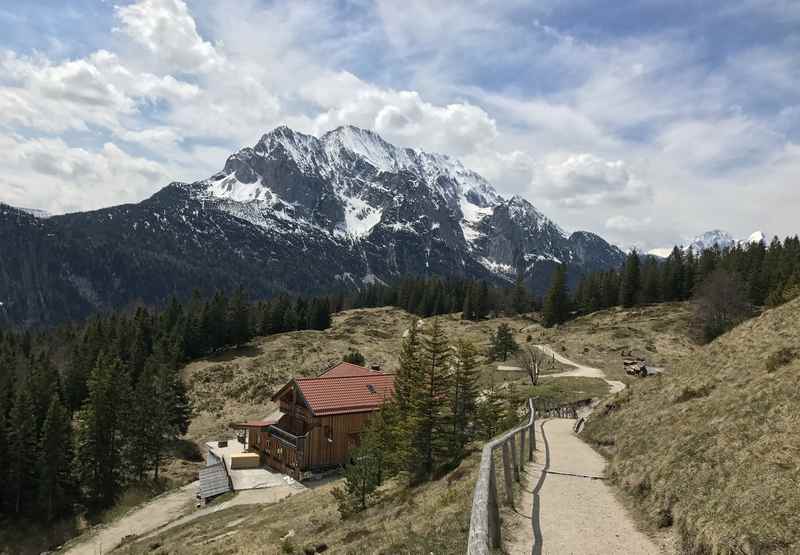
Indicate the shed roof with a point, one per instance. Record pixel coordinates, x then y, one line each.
345 394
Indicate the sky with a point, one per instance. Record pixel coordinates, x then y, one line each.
646 121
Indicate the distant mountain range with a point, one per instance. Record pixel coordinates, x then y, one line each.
294 213
707 240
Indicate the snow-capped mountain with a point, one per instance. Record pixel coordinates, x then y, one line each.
708 240
296 213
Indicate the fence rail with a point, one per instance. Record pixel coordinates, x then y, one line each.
484 525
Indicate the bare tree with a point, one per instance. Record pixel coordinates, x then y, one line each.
531 360
720 303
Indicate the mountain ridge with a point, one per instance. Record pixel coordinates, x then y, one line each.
363 210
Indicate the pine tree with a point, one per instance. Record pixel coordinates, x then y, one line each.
406 380
464 396
631 281
102 423
361 480
430 420
238 319
21 450
520 300
491 412
556 304
4 460
468 310
502 343
55 484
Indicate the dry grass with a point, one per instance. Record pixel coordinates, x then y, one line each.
432 518
658 333
713 447
237 385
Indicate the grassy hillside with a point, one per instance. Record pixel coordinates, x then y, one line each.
713 447
659 333
431 518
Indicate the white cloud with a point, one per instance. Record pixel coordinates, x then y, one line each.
628 224
402 117
169 33
585 180
42 173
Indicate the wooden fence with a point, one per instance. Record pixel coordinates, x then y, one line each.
484 525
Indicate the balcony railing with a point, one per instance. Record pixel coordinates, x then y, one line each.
298 442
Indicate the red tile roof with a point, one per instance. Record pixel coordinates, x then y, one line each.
345 394
345 369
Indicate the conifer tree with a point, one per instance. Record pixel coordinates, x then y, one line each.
239 320
21 451
101 433
4 484
362 477
631 281
464 395
55 484
468 310
556 304
520 300
430 423
491 412
406 380
502 343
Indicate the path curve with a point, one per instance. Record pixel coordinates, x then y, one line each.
581 371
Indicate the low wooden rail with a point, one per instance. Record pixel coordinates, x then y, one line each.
484 525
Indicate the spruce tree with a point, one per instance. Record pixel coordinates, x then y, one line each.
463 396
55 484
502 343
556 304
407 378
21 451
102 423
520 300
361 479
431 413
631 281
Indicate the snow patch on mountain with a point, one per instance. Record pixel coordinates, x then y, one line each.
360 217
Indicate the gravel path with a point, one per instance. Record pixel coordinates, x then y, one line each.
566 507
580 370
151 515
167 511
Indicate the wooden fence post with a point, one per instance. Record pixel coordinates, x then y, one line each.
532 442
494 510
515 463
507 474
522 449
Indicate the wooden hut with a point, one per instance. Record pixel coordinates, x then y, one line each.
322 419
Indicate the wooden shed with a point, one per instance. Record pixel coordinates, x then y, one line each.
322 419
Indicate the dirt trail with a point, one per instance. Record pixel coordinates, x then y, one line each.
566 506
580 370
149 516
167 511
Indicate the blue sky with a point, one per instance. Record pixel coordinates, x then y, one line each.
646 121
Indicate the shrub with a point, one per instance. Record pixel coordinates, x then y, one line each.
354 357
780 358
